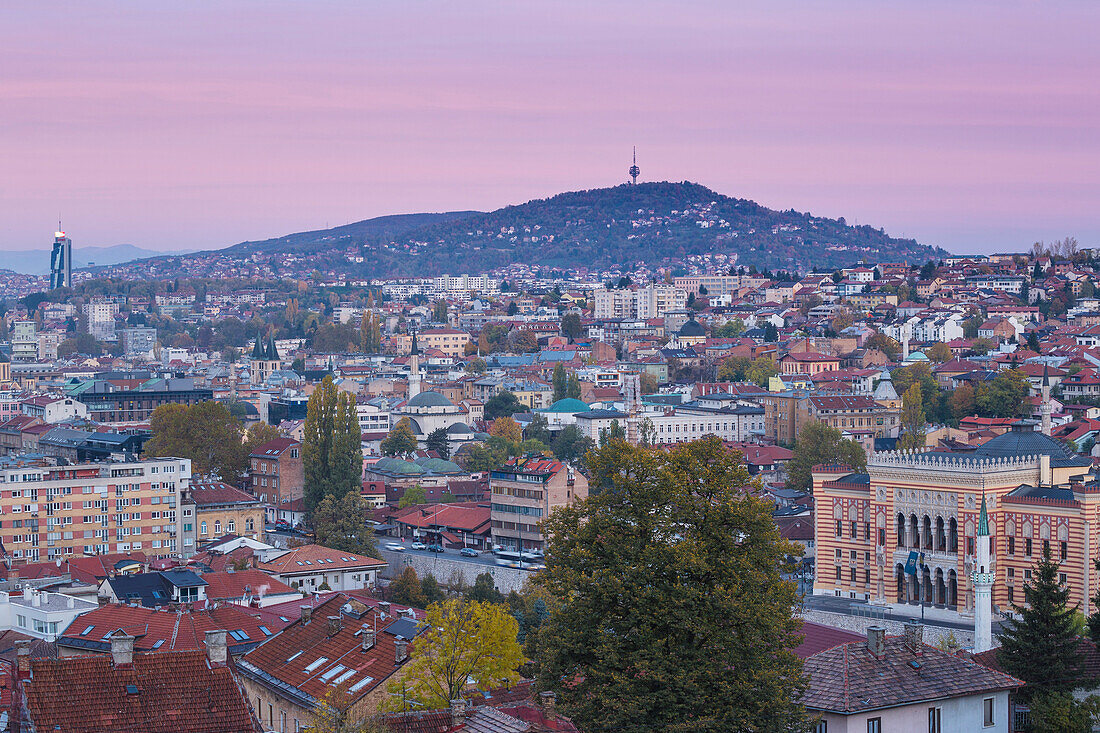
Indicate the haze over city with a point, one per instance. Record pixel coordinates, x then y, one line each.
972 126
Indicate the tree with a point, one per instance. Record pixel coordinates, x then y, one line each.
538 429
673 612
885 344
483 457
1060 712
571 326
733 369
571 444
761 370
647 383
206 433
573 386
818 443
370 334
614 431
962 402
1003 396
334 713
971 326
502 404
258 434
938 352
439 311
1033 342
406 588
771 333
475 366
340 523
429 588
559 382
981 346
82 343
484 590
437 441
507 428
400 440
730 329
461 641
1041 646
412 496
332 459
912 421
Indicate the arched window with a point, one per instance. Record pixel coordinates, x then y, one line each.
202 526
249 524
217 526
230 526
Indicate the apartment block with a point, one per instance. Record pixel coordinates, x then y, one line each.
52 512
525 491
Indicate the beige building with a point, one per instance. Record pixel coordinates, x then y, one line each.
525 491
221 509
450 341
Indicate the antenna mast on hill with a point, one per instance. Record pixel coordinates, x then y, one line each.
634 169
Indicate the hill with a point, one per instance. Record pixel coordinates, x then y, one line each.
604 228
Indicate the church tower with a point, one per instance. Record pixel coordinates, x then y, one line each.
983 578
264 361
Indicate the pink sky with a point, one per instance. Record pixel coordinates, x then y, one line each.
974 126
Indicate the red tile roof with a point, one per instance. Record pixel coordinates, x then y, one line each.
177 692
207 493
92 569
311 657
819 637
241 583
314 558
273 448
469 516
174 630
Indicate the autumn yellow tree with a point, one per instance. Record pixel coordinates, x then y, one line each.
334 714
507 428
460 641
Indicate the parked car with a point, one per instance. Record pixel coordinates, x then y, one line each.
435 548
418 546
468 552
394 547
282 524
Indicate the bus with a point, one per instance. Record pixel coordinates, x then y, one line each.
515 559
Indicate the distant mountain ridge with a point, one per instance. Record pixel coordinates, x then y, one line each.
37 261
597 229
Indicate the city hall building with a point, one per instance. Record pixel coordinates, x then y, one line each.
1038 494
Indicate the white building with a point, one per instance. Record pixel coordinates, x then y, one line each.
41 614
311 566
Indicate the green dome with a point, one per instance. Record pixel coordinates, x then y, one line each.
396 465
568 405
438 465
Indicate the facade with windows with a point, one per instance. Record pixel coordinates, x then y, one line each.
50 512
1039 496
221 509
524 492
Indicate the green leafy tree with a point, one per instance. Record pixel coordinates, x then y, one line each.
437 441
885 344
571 444
82 343
502 404
571 326
483 457
819 443
439 311
1041 646
1033 342
484 590
538 429
207 433
1003 396
332 459
412 496
340 523
913 434
429 588
475 365
761 371
406 589
559 382
674 615
400 440
614 431
573 386
1060 712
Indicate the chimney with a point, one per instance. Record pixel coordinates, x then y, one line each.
384 607
876 641
23 658
914 637
216 649
122 649
72 602
334 625
458 712
548 699
367 637
401 650
307 614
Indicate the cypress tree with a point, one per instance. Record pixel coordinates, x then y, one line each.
317 442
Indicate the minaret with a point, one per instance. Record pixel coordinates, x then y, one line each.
1044 401
983 578
635 171
414 369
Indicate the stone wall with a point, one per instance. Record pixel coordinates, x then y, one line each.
442 567
932 634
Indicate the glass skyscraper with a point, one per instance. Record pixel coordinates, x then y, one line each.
61 261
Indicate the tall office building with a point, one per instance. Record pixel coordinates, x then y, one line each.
61 261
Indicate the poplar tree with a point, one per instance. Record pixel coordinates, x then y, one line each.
332 457
913 434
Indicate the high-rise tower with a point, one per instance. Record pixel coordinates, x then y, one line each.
635 171
61 260
983 578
